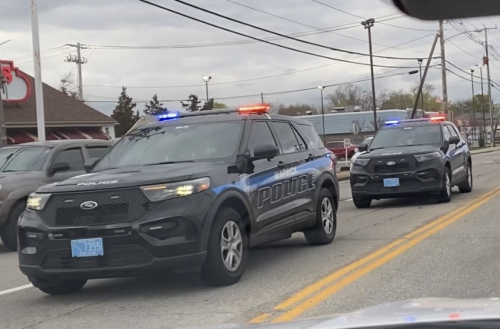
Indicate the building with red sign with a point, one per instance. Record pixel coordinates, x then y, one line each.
65 117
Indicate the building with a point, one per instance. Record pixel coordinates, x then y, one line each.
341 125
65 117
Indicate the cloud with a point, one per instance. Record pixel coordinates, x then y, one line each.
150 71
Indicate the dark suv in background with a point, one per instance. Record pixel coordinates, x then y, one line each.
26 167
194 191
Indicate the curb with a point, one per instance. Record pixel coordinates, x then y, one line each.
484 151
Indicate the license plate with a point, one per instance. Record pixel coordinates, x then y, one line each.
87 248
391 182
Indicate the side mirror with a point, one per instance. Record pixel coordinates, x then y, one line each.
356 150
454 140
58 167
446 146
89 164
268 151
363 147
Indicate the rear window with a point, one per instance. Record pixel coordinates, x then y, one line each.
311 136
97 151
335 144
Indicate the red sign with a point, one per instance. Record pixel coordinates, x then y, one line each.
16 86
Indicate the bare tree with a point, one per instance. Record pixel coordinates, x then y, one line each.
345 95
380 123
68 86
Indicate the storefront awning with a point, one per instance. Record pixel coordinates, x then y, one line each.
26 136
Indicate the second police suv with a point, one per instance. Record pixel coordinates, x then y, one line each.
195 190
412 157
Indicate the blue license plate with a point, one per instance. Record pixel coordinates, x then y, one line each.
391 182
87 248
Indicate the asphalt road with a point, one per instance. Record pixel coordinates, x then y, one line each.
397 249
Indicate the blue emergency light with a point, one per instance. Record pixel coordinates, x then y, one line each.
392 122
167 116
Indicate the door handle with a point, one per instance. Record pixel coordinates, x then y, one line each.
281 164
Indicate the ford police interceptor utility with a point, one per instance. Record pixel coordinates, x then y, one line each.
194 191
412 157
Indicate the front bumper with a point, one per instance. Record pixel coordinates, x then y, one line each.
167 237
427 179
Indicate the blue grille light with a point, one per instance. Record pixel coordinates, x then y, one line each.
167 116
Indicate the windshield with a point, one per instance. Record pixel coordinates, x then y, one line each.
27 158
407 136
175 143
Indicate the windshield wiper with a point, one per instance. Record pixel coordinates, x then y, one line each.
168 162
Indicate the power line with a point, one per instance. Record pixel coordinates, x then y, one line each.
268 94
463 49
381 22
275 33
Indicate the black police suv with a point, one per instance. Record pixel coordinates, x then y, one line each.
195 190
412 157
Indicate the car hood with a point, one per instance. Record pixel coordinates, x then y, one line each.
405 150
133 176
424 310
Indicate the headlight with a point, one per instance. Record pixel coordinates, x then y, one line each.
427 156
175 190
360 162
37 201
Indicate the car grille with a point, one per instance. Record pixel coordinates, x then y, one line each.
115 206
113 257
401 164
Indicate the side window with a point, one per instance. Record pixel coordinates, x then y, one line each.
446 133
302 143
260 134
453 131
97 151
72 156
311 136
286 137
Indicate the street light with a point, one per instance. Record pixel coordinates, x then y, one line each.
473 110
322 112
482 102
368 24
420 60
206 78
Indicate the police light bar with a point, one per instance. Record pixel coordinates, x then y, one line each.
167 116
261 108
438 118
392 122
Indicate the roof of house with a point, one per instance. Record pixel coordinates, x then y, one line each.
59 108
341 123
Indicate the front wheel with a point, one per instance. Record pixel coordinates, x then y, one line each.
361 202
445 193
227 250
53 287
466 186
326 220
9 231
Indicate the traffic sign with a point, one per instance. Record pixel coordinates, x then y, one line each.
355 128
347 143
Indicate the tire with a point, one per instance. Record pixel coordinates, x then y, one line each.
219 269
326 220
9 231
361 202
59 287
466 186
445 193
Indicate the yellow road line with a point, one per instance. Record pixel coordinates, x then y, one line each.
314 287
324 294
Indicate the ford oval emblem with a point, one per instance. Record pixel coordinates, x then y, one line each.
88 205
391 163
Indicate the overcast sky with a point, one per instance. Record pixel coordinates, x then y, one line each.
227 57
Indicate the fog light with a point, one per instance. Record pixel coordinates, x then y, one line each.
360 179
29 251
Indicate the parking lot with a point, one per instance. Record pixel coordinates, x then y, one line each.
379 255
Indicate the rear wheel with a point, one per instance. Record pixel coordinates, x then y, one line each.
9 231
362 202
326 220
227 250
445 193
466 186
53 287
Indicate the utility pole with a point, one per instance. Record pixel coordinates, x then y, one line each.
492 137
262 98
3 132
368 24
322 113
482 102
473 109
443 68
79 60
40 116
420 60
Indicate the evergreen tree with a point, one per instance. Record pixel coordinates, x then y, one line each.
192 103
124 113
154 107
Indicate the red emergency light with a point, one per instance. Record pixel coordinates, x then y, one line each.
438 118
261 108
